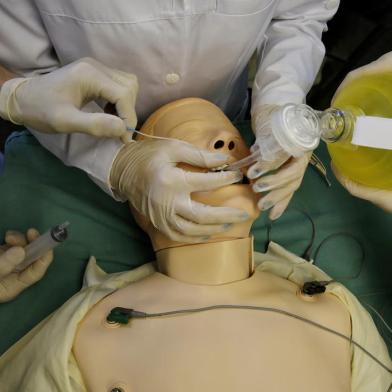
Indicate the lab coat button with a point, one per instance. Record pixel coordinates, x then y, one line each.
331 4
172 78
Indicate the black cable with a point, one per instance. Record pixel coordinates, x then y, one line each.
308 251
137 314
307 254
358 241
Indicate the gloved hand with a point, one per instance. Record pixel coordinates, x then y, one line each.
282 184
383 64
11 255
380 197
145 173
52 102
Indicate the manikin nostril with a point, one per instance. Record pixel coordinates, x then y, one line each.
219 144
231 145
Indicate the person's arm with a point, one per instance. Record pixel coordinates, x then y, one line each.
293 51
291 58
380 197
92 155
26 51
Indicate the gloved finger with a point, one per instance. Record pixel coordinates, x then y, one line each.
126 111
126 106
127 138
123 96
121 77
207 181
279 208
35 271
32 234
96 124
188 153
186 227
208 215
10 259
98 83
274 197
292 170
15 238
262 167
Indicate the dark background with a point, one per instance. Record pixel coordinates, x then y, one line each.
360 33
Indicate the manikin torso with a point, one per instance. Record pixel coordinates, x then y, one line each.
220 350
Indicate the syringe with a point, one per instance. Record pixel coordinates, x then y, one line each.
47 241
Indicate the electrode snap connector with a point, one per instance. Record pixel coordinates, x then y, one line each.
120 315
315 287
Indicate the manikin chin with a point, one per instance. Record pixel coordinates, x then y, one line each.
230 350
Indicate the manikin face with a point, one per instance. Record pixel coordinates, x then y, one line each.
204 125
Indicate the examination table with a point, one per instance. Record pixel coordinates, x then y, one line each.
348 238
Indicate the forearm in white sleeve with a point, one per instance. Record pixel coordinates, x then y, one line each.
25 48
293 51
92 155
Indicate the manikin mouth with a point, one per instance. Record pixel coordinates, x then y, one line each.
245 180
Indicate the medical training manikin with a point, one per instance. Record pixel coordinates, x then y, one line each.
286 340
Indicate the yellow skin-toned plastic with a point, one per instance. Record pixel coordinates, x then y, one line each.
223 350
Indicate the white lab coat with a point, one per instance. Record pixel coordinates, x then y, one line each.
177 48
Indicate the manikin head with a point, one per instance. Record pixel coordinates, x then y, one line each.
204 125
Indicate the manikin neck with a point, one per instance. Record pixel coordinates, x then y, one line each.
213 263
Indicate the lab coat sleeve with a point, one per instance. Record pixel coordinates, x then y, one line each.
26 49
293 51
92 155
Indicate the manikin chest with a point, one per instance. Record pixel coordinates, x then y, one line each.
220 350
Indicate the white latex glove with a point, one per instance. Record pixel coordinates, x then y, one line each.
383 64
380 197
145 173
11 255
52 102
282 184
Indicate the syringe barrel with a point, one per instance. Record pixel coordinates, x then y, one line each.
42 245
